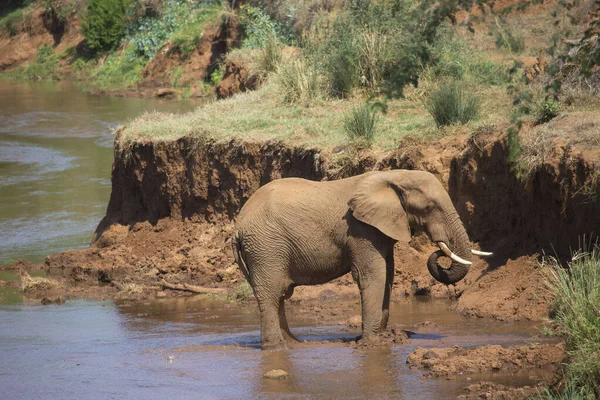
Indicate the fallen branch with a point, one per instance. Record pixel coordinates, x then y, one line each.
192 288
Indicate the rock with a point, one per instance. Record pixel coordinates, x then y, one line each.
276 374
166 93
231 270
355 321
161 295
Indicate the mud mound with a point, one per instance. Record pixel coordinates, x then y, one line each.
498 293
495 391
237 79
457 360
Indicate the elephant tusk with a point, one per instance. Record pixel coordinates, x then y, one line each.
481 253
450 254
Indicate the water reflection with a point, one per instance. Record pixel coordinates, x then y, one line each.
55 164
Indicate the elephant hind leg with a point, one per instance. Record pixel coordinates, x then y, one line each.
270 331
287 335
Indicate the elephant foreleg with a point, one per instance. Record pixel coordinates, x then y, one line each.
372 287
389 282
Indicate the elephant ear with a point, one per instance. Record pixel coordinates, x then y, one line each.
376 202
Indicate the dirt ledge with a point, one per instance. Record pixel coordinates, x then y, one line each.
172 204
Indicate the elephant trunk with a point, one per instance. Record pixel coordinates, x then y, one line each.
459 248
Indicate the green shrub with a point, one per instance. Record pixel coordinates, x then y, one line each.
104 23
576 304
546 111
449 104
120 70
360 122
11 22
44 53
453 59
372 45
179 20
258 28
300 82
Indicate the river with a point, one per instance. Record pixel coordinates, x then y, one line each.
55 164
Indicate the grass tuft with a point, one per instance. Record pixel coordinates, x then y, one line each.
450 104
361 121
576 306
242 293
31 284
300 82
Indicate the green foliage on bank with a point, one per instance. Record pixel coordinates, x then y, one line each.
104 23
576 291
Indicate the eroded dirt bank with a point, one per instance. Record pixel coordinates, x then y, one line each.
172 203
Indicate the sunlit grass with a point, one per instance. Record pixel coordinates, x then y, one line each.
576 305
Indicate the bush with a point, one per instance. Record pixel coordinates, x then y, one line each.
378 46
576 292
300 82
120 70
11 22
452 58
360 123
104 23
546 111
179 20
451 105
258 28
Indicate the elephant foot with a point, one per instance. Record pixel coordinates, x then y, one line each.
290 338
367 342
274 346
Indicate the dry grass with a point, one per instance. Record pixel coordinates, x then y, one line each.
261 115
31 284
131 288
578 129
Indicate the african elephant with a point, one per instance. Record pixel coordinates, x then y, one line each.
295 232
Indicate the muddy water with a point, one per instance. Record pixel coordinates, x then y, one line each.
198 348
55 163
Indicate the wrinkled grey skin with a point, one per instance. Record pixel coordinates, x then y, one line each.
297 232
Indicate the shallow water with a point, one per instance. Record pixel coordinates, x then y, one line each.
200 348
55 163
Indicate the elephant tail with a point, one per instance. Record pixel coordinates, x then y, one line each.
236 246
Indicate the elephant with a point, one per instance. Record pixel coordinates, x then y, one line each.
294 232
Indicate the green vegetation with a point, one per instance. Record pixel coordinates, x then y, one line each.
546 111
104 24
576 291
360 122
258 28
118 70
451 104
300 82
45 67
10 23
180 21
